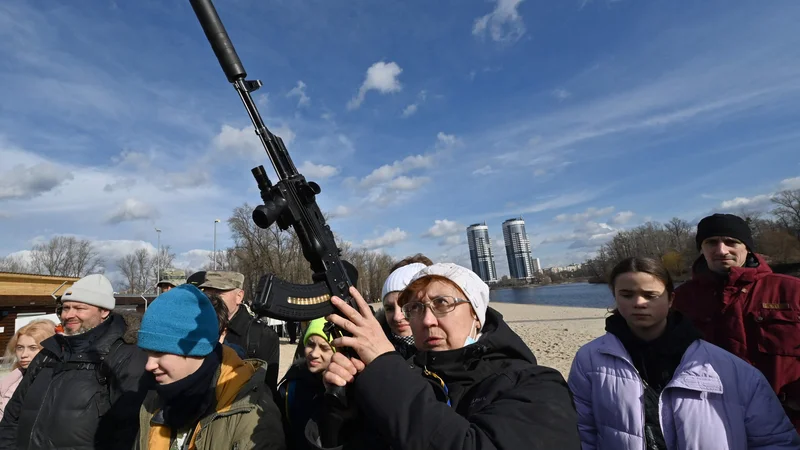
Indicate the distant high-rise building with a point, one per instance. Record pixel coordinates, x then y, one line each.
537 266
518 248
480 252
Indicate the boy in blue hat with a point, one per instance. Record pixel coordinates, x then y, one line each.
206 396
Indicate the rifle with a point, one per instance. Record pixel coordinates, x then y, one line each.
290 202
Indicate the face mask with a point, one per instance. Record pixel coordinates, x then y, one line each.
469 340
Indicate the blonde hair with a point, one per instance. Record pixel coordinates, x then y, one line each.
39 330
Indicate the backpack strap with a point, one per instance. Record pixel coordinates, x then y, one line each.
252 340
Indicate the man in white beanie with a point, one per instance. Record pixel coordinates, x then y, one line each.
85 387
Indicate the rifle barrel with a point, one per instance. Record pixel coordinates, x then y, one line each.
218 37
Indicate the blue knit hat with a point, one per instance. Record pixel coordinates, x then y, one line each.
181 321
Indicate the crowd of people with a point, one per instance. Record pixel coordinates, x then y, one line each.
711 364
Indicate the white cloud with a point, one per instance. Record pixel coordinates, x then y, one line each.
404 183
340 211
25 182
122 183
561 94
790 184
388 172
444 227
131 159
504 24
456 239
590 213
411 109
244 142
319 171
485 170
194 259
586 235
446 141
283 132
755 202
299 91
388 239
622 217
132 210
240 141
381 77
560 201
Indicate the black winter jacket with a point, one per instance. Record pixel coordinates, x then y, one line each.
300 398
258 340
499 398
80 392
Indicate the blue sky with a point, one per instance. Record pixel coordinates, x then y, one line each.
417 118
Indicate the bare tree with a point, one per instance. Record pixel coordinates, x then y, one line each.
14 264
258 252
788 210
66 256
680 233
136 267
141 269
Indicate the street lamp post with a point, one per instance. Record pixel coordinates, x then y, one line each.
216 221
158 259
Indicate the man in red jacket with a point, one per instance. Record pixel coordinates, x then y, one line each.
739 304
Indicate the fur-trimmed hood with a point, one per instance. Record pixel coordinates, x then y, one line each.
133 320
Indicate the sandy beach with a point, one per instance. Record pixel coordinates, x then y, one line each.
554 333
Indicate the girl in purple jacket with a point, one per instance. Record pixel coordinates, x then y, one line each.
651 383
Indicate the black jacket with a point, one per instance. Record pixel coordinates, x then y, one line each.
80 392
499 398
258 340
300 398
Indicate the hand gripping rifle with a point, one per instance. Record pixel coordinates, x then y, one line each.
290 202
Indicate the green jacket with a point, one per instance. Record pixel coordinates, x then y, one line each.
245 416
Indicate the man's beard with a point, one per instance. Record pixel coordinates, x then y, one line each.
82 329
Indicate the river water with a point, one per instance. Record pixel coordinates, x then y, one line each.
575 294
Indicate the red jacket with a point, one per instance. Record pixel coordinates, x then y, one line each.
754 314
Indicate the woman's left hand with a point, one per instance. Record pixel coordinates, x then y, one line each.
367 337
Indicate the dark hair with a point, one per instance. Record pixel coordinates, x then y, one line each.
649 266
418 258
222 311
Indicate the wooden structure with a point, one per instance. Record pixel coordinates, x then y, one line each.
28 294
24 293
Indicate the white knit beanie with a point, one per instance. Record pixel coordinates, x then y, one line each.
399 279
93 290
476 290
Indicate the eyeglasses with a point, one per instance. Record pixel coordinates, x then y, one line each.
439 306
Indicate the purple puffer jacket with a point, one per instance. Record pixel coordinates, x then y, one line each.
715 401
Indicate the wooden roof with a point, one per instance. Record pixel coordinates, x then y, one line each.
25 284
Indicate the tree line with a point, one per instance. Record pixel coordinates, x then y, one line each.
776 235
255 252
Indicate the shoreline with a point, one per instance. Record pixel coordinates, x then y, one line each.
553 333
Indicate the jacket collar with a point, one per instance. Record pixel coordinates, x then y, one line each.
690 374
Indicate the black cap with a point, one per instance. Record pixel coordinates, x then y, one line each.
724 225
197 278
